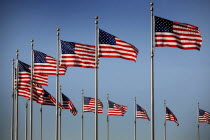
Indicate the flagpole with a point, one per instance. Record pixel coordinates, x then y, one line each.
57 86
107 119
152 75
40 121
13 101
26 121
165 120
60 111
31 91
96 80
17 69
134 118
198 123
82 131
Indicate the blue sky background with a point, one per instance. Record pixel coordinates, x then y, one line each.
182 77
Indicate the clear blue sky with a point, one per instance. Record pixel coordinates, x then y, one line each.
182 77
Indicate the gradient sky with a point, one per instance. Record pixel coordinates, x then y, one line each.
182 77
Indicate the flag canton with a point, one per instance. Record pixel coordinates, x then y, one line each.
87 100
201 112
106 38
111 104
39 57
65 98
139 108
23 67
67 47
46 94
163 25
168 111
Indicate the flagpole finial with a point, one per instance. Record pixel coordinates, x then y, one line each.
58 29
96 17
13 59
151 3
32 40
17 50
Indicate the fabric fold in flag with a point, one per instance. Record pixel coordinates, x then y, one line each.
113 47
116 109
77 55
204 116
24 75
170 116
46 65
67 104
141 112
175 34
89 105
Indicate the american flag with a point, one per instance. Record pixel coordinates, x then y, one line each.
141 112
170 116
46 65
204 116
67 104
116 109
47 99
112 46
77 55
175 34
24 75
89 105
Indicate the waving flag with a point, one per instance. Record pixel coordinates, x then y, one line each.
24 75
46 65
204 116
175 34
89 105
112 46
77 55
170 116
116 109
47 99
67 104
141 112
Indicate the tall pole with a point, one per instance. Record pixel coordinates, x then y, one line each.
13 101
198 123
61 102
40 121
57 85
17 69
82 131
107 119
165 120
152 76
96 80
134 118
26 120
31 83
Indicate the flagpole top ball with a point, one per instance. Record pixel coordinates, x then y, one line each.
96 17
32 40
58 29
151 3
13 59
17 50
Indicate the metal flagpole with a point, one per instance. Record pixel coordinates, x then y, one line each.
26 121
13 100
134 118
96 80
61 102
107 119
31 84
198 123
40 121
17 69
57 85
152 76
165 120
82 131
